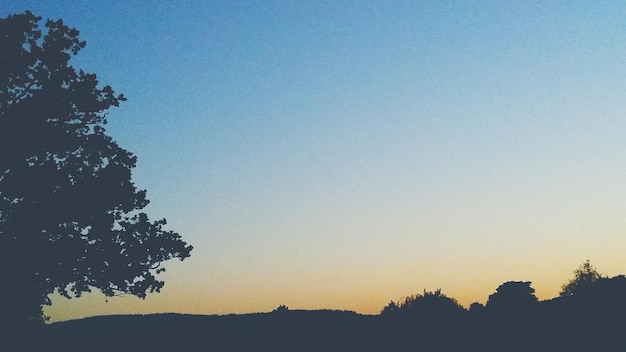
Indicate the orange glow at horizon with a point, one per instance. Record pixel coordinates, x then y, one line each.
363 297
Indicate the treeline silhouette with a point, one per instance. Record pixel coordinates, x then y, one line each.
589 315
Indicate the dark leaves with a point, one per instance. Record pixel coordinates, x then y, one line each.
70 215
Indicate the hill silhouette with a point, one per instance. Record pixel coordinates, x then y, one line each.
562 324
590 317
293 330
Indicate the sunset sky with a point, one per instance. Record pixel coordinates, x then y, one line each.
343 154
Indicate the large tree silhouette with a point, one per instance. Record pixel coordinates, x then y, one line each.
70 216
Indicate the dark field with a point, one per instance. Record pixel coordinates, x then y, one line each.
562 324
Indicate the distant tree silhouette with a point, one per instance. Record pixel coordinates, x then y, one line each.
429 304
476 307
584 277
512 295
390 309
510 317
281 309
431 320
70 216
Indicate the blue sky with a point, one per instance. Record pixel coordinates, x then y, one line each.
342 154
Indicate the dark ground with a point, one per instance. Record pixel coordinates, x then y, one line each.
557 325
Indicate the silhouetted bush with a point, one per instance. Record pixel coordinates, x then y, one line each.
584 277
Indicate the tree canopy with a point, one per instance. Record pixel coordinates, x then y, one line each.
585 275
70 216
429 304
512 295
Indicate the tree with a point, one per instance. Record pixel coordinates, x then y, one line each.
476 307
71 219
433 304
512 295
584 276
431 320
390 309
281 309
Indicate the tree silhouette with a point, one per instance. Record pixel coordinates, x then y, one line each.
584 277
431 320
476 307
390 309
512 295
429 304
70 216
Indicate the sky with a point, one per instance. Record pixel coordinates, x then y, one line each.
344 154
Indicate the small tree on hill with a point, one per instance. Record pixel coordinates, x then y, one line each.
476 307
512 295
584 276
390 309
70 216
433 304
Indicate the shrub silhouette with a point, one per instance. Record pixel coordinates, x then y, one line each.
585 276
512 295
281 309
428 306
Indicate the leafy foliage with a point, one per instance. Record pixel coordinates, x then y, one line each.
428 304
511 295
281 309
390 309
70 216
476 307
584 276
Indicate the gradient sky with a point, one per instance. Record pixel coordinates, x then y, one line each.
343 154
